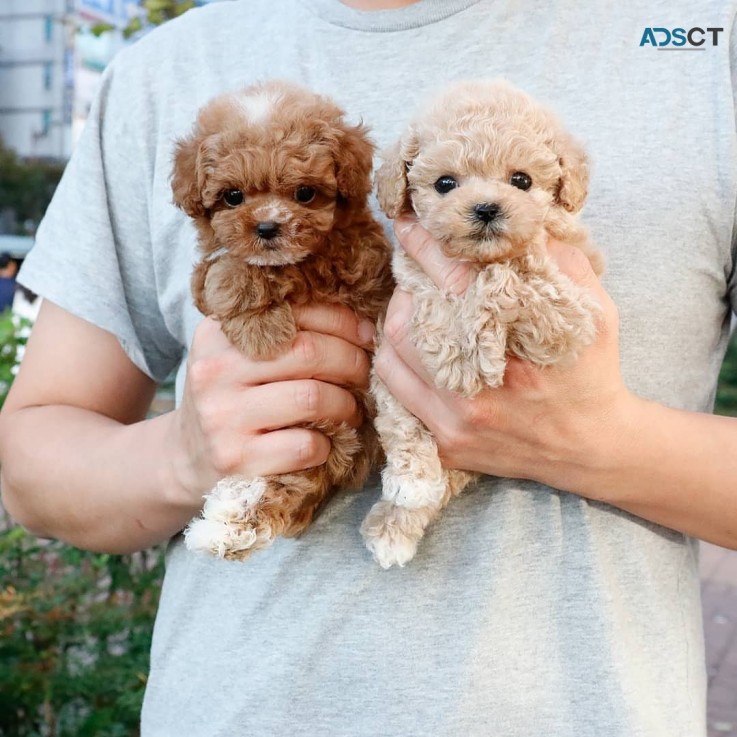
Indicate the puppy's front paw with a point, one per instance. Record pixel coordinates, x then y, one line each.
490 353
391 534
557 328
263 336
460 377
574 329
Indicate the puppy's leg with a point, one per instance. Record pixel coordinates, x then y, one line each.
242 515
438 333
221 529
490 352
263 334
369 453
490 306
415 486
287 507
558 319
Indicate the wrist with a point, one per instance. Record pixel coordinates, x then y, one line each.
181 487
608 449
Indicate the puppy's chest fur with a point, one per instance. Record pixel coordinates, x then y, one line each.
333 276
521 306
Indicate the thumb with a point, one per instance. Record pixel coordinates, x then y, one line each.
450 275
573 262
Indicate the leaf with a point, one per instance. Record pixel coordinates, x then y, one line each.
99 28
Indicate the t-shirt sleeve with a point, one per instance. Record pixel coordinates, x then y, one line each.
92 254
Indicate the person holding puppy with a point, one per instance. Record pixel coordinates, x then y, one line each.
560 596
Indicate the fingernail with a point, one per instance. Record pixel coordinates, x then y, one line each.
366 332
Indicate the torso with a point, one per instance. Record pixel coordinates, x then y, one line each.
527 610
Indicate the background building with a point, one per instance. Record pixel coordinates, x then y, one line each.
50 67
36 76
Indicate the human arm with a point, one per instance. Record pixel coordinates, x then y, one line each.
578 428
80 462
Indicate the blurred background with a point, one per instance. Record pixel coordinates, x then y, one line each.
75 627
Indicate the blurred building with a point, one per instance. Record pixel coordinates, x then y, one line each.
94 52
36 76
50 68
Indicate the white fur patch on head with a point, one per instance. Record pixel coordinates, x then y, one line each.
256 107
273 211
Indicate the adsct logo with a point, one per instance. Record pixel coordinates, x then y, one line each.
680 39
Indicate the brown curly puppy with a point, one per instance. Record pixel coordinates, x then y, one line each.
277 184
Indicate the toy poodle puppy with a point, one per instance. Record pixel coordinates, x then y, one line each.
277 184
490 174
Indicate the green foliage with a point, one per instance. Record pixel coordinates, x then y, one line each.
75 634
160 11
155 12
26 186
75 626
726 402
14 333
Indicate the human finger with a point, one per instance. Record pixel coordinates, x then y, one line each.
403 383
208 339
311 356
283 451
450 275
336 320
573 262
287 403
397 331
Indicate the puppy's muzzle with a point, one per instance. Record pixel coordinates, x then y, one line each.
267 230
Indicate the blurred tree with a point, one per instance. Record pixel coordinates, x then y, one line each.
155 12
726 401
75 633
26 187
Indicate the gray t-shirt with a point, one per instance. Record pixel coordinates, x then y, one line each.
527 611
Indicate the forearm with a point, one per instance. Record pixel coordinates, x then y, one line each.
672 467
93 482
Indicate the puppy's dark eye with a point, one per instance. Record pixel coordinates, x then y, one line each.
520 180
445 184
305 195
233 197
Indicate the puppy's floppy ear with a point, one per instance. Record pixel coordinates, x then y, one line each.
194 159
574 165
353 162
185 180
392 187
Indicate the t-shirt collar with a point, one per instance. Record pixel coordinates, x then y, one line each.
418 14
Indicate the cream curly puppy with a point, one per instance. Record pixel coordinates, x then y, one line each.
490 174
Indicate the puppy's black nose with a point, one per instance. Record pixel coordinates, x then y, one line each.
267 230
486 212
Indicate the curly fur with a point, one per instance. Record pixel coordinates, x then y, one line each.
518 303
267 142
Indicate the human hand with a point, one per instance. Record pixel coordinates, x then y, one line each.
551 425
241 417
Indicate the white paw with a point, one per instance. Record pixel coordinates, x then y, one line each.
391 548
392 533
232 496
225 530
221 539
